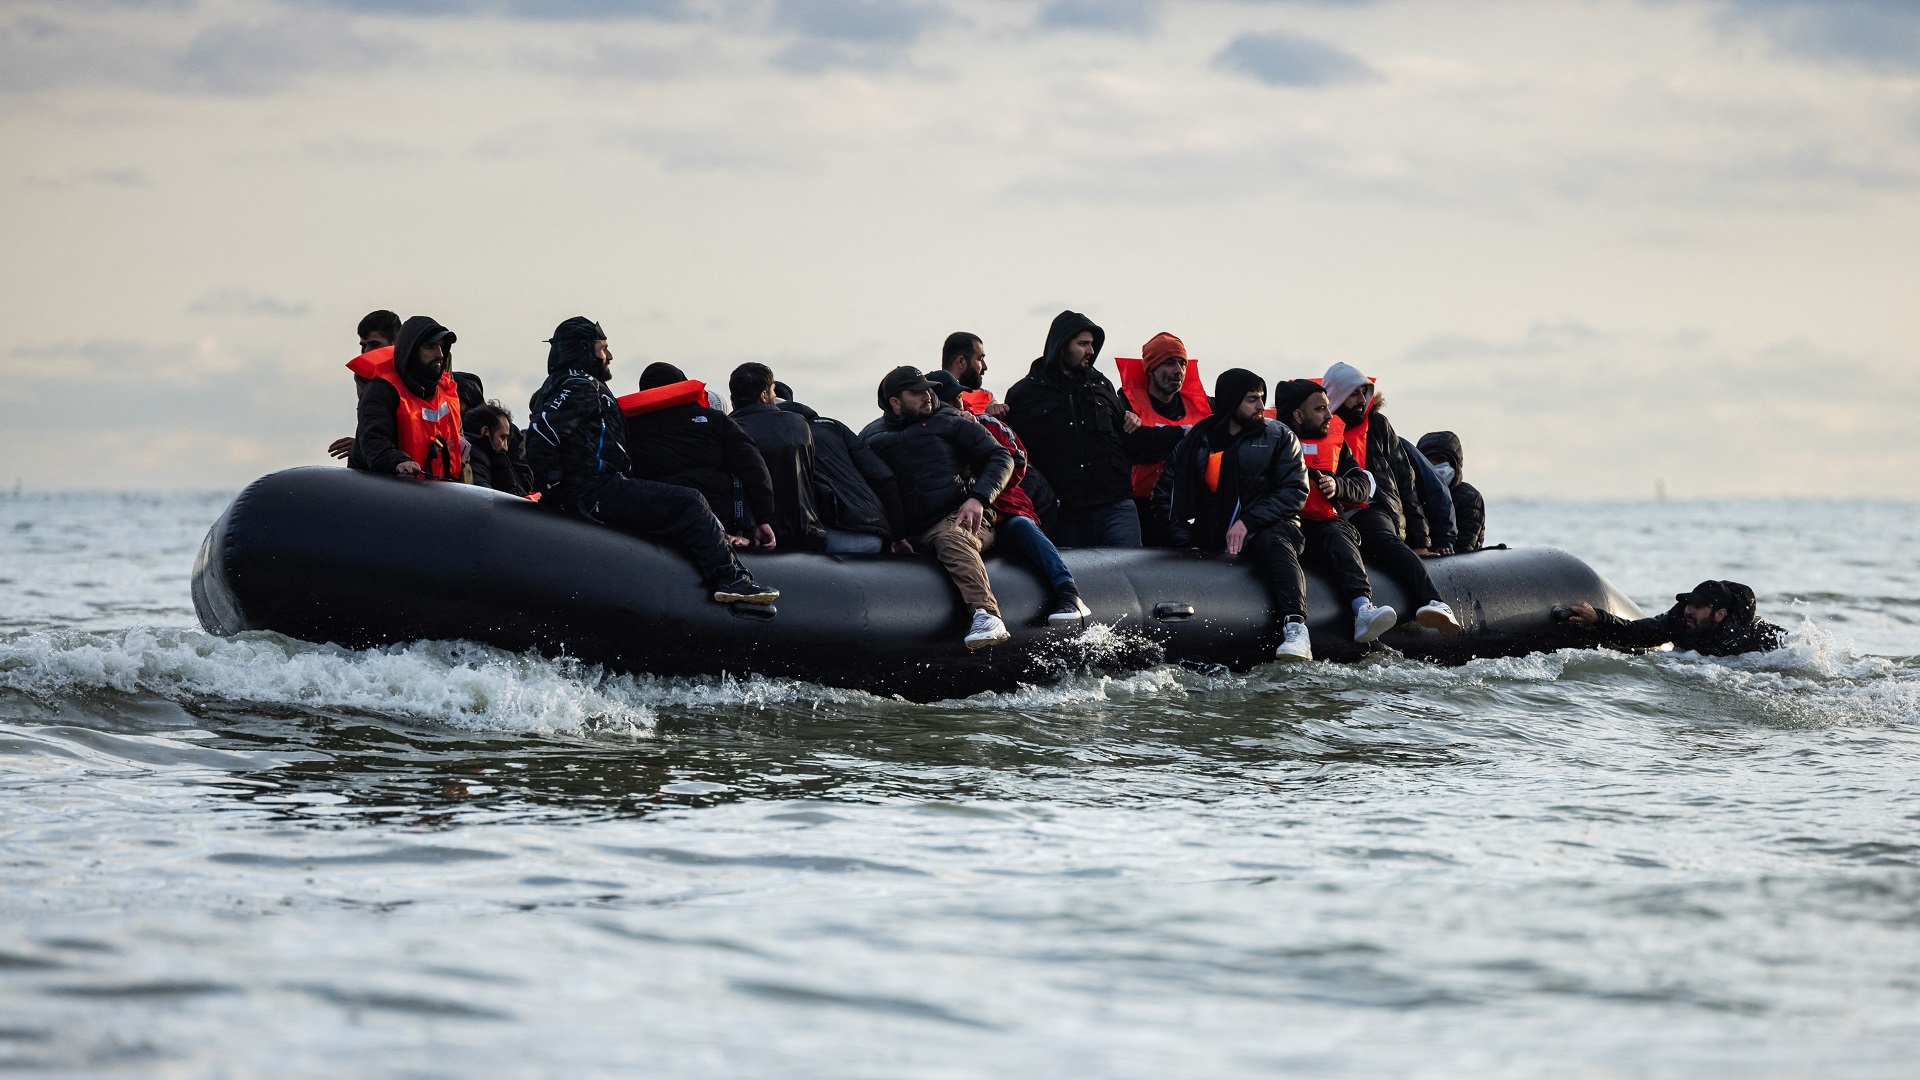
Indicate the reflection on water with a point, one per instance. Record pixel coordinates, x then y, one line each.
260 857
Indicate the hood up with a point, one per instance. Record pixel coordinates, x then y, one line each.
1445 445
571 346
415 332
1066 326
1341 380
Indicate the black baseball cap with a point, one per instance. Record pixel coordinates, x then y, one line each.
900 380
1719 594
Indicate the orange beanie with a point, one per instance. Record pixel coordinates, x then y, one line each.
1162 348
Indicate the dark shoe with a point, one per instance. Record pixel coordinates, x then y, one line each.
745 590
1068 610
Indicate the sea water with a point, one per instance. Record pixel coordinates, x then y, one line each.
262 857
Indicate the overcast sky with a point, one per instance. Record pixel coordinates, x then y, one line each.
1609 242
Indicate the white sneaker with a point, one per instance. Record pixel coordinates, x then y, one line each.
1296 647
1438 616
1370 622
987 630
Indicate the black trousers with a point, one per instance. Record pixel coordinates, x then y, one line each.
1277 549
1334 546
1381 544
667 513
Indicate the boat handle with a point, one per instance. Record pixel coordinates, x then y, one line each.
755 612
1172 611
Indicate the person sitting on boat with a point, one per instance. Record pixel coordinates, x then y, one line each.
784 441
698 446
1336 486
950 471
853 490
1443 451
1017 523
1718 618
409 413
1163 387
1074 424
964 356
489 428
576 443
1236 484
377 330
1391 523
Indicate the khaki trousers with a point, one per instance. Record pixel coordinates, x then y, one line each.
959 551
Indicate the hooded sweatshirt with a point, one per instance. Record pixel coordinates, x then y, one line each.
1397 486
1469 508
1073 425
1260 478
376 438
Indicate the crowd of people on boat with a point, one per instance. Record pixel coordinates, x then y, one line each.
1313 475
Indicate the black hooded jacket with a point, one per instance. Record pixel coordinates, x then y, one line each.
376 441
1742 632
1396 487
1469 508
1074 427
785 441
576 437
939 461
1263 480
853 489
702 448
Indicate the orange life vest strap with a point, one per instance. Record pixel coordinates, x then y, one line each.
688 392
976 401
1213 470
367 364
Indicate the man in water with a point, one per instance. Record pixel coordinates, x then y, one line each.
576 443
949 471
1236 483
1716 619
1073 421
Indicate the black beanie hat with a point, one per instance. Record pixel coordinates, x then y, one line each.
1288 395
661 373
1231 387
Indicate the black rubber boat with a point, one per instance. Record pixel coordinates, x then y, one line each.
333 555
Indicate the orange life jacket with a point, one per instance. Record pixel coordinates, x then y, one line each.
1322 455
976 401
687 392
427 429
1133 383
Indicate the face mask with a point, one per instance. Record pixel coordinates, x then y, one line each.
1445 472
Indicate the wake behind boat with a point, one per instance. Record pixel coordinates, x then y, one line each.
335 555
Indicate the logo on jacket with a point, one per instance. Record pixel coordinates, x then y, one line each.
434 416
699 419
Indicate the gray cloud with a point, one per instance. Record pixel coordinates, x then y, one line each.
127 177
244 303
1280 59
1113 16
1883 35
258 58
38 53
665 10
872 22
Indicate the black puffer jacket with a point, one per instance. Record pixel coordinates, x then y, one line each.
1267 473
376 441
853 490
785 442
1743 632
1469 508
702 448
576 437
1396 487
939 461
1073 427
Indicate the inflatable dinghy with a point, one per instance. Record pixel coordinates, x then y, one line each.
334 555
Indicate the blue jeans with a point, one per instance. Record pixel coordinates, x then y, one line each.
1110 525
1025 537
840 542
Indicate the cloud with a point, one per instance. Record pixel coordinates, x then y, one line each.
1113 16
664 10
258 58
243 303
1280 59
229 58
127 177
1882 35
870 22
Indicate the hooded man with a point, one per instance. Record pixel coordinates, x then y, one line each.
409 413
1391 520
700 447
950 471
1716 619
576 444
1073 422
1443 451
1336 485
1236 484
1018 524
784 441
